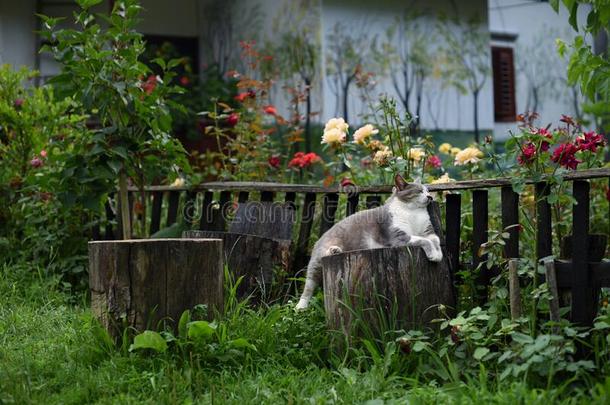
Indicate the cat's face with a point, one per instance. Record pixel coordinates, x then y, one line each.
413 194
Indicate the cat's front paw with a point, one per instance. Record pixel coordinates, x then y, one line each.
435 256
303 304
334 250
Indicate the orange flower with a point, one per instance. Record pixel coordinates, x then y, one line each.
271 110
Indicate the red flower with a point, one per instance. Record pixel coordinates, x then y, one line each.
545 134
185 81
564 155
347 182
567 119
271 110
18 103
590 141
528 154
43 153
150 84
303 160
241 97
232 120
274 161
434 162
36 162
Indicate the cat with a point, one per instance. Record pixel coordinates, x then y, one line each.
402 221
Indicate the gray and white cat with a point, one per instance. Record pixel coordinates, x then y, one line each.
402 221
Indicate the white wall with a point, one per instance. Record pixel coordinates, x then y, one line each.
537 27
455 111
17 25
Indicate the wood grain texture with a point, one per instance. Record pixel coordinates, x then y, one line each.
383 189
266 219
140 283
259 260
386 288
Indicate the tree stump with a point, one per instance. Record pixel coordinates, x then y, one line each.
260 261
139 283
384 289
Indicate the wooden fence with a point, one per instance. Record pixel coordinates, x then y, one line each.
210 202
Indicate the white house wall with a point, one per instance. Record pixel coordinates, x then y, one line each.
17 25
530 22
456 110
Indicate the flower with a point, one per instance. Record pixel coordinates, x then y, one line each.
434 161
375 145
338 123
567 119
274 161
470 155
454 151
43 153
303 160
445 148
232 119
443 179
185 81
346 182
546 135
564 155
36 162
179 182
150 84
528 154
382 157
333 137
18 103
241 97
590 141
363 133
271 110
416 154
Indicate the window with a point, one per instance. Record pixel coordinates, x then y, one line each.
504 84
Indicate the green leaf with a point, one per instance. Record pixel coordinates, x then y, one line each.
149 340
185 318
241 343
419 346
88 3
115 165
555 5
200 330
480 352
522 338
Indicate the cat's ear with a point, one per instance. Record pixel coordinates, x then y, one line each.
400 182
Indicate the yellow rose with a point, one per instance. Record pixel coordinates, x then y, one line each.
416 154
338 123
333 137
363 133
382 157
445 148
454 151
469 155
179 182
443 179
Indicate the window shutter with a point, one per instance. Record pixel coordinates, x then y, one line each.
504 84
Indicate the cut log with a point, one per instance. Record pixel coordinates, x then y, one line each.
385 289
259 261
139 283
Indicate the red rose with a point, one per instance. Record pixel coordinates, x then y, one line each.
303 160
150 84
36 162
345 182
241 97
564 155
274 161
434 162
232 120
185 81
590 141
528 154
271 110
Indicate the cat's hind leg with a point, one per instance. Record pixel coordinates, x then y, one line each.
313 279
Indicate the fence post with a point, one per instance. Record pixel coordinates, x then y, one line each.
480 223
510 216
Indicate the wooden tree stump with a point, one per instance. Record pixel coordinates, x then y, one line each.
259 260
384 289
138 283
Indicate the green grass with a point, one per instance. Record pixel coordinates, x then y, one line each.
51 352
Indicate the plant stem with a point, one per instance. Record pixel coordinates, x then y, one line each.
123 199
